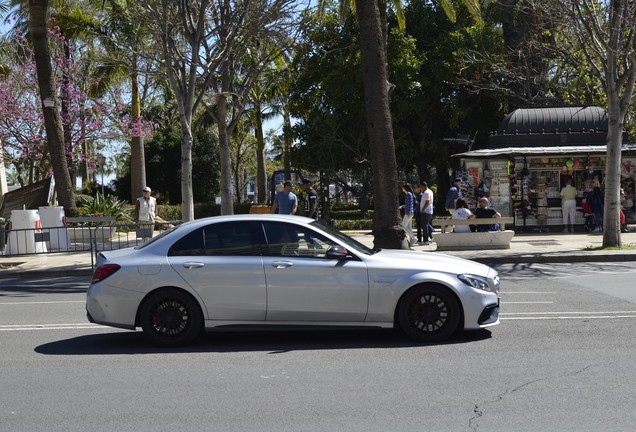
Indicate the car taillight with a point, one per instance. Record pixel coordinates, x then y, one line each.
102 272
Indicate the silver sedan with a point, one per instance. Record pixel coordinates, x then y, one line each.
277 270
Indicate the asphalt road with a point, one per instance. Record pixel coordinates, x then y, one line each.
562 360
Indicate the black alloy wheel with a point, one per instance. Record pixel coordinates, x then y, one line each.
429 314
171 318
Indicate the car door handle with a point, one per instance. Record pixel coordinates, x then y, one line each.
282 264
190 265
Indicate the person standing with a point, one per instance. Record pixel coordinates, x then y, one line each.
588 213
453 194
285 201
595 198
568 205
311 200
145 213
417 212
407 219
426 208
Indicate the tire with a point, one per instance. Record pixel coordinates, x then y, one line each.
171 318
429 314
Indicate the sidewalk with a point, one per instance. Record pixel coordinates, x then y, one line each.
524 248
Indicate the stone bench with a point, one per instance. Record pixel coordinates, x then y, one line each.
473 240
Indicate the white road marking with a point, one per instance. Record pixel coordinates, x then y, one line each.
516 316
61 326
567 313
528 302
537 318
41 302
528 292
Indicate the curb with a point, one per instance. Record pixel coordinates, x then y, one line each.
518 259
555 259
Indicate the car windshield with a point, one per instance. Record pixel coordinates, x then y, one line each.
349 242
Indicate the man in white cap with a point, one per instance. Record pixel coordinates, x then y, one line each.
145 213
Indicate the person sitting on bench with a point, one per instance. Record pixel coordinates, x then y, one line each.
483 211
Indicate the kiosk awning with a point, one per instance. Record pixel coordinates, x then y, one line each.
539 151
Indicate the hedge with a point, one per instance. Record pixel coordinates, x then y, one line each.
350 214
353 224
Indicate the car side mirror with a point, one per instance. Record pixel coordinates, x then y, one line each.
338 252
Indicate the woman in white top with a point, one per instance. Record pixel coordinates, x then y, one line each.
461 212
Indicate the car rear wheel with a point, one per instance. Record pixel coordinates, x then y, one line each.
429 314
171 318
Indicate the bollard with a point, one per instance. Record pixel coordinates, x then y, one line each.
3 234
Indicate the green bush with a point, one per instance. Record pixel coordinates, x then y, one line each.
169 212
341 206
104 206
350 214
355 224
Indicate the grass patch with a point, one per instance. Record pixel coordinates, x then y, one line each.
628 246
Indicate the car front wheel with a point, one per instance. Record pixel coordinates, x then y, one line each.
170 318
429 314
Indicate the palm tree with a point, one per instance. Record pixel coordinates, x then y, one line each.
38 18
122 37
123 24
267 100
387 230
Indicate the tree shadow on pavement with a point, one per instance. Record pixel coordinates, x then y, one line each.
272 342
20 287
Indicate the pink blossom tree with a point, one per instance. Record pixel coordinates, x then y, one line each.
92 125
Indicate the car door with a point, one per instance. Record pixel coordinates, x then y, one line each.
304 285
222 262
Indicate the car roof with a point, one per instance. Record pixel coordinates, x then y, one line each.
250 217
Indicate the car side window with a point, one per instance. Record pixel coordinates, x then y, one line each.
284 239
226 238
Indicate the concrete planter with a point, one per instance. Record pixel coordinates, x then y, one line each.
83 234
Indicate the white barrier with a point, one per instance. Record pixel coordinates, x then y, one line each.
25 224
53 217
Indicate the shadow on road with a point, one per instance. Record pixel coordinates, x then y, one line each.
272 342
26 287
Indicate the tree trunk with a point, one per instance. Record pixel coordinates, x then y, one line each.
225 156
387 230
185 120
187 196
287 138
261 170
620 88
611 221
38 15
137 157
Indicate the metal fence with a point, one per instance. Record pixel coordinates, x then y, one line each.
92 234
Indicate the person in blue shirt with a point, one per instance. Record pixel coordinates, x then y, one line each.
408 207
285 201
453 194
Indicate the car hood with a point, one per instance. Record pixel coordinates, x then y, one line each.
430 261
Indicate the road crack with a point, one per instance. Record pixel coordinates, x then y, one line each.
478 409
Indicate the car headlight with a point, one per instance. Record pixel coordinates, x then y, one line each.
478 282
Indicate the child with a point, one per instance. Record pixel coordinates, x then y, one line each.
588 213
